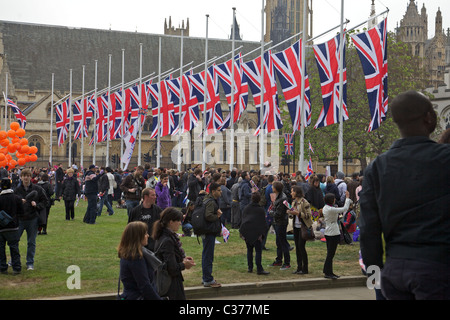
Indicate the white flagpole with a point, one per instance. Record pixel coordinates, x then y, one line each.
122 129
180 124
341 90
141 107
261 111
158 140
6 102
50 158
232 92
83 120
205 95
109 111
302 103
70 121
95 113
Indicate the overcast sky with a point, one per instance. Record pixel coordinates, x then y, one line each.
148 15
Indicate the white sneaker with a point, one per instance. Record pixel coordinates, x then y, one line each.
30 267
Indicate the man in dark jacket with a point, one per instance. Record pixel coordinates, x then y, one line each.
132 187
212 214
147 212
12 205
405 201
59 177
90 192
245 191
103 188
195 184
34 202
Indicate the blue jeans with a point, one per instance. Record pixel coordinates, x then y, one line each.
282 244
31 227
257 245
12 238
91 210
130 205
209 242
104 200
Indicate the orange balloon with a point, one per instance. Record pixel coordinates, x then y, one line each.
33 149
15 140
20 132
33 157
8 156
19 155
12 163
3 163
14 126
24 149
3 135
11 148
4 142
23 141
21 161
3 150
11 133
2 157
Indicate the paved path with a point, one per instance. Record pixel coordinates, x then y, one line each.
352 293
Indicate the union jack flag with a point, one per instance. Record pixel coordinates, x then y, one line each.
288 66
167 121
21 119
80 124
327 58
101 119
189 107
372 50
62 121
117 115
288 143
309 170
271 112
214 119
240 91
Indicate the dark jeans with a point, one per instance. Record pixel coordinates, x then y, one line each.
257 245
403 279
332 244
70 209
12 238
209 242
91 211
300 251
31 227
130 205
282 244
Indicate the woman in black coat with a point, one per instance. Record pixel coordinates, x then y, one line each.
253 229
70 191
168 249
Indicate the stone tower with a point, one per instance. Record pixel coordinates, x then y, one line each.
171 30
413 29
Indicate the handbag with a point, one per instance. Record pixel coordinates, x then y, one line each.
307 233
5 219
163 278
344 234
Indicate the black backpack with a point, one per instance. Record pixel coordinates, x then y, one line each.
199 224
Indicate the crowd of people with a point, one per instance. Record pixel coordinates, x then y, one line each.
160 202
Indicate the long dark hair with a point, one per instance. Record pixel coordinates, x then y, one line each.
167 215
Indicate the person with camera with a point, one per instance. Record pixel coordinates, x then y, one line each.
132 187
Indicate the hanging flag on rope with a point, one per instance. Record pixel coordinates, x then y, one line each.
189 107
372 51
309 170
81 124
271 112
214 120
288 67
167 120
21 119
62 121
288 144
117 115
327 58
240 93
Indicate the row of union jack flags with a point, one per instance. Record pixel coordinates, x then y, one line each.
161 100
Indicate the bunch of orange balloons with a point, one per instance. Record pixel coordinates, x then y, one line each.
13 143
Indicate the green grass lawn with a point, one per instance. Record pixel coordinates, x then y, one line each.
93 249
